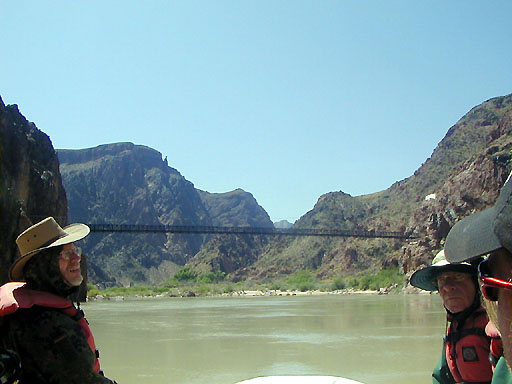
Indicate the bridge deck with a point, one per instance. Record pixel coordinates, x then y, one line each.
266 231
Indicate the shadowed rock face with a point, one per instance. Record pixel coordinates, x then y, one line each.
127 183
30 183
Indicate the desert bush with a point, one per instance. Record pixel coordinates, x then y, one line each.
353 282
211 277
203 290
92 290
185 274
229 289
338 283
303 280
171 283
384 278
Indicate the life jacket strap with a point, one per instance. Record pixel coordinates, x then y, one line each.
455 336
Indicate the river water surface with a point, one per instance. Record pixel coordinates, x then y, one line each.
374 339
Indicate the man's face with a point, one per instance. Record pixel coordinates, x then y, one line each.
457 290
500 266
69 265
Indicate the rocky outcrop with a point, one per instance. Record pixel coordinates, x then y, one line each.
236 208
283 224
464 172
125 183
475 187
30 183
335 210
472 186
228 253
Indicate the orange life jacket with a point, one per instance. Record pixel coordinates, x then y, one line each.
467 349
14 296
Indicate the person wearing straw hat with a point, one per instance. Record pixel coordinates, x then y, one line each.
48 332
490 233
471 343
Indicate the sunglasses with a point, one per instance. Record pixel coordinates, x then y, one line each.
68 254
489 284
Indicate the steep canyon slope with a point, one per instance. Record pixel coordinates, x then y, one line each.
464 173
30 183
123 183
127 183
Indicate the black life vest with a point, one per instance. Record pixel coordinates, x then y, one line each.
14 296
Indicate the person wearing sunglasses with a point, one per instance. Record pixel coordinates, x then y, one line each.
489 232
48 333
470 345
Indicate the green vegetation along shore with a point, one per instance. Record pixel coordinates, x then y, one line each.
187 283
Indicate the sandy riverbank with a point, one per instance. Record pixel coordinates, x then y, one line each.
299 293
261 293
266 293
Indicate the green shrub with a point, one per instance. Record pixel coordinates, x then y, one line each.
171 283
306 286
386 278
229 289
92 290
204 279
140 290
301 276
353 282
203 290
211 277
161 290
114 291
277 286
365 281
185 274
303 280
339 283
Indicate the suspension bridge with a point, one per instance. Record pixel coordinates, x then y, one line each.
265 231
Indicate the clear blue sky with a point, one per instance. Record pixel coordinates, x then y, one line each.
285 99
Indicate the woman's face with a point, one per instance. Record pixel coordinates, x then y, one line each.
457 290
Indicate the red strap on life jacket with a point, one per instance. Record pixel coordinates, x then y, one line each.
14 295
90 340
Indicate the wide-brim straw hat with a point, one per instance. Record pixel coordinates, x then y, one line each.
426 278
45 234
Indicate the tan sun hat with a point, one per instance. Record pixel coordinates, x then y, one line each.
45 234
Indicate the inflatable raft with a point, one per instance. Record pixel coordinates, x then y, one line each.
299 380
